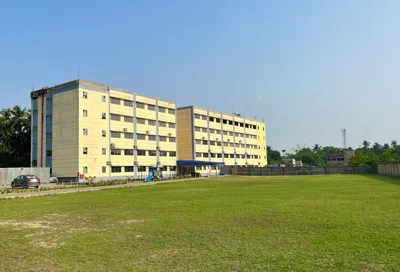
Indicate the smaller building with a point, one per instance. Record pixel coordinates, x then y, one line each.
288 161
341 158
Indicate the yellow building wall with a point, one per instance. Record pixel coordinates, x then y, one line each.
65 155
184 132
94 123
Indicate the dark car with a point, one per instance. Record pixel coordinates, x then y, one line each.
26 181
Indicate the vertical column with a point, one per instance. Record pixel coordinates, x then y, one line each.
157 134
135 144
245 137
234 140
222 140
193 133
209 139
32 132
109 130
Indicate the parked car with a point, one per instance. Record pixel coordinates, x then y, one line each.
53 180
26 181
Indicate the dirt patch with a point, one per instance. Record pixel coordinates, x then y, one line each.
138 236
165 254
27 224
48 244
132 221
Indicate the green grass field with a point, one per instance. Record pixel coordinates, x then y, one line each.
295 223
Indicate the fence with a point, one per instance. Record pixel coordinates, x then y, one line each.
282 171
7 175
389 169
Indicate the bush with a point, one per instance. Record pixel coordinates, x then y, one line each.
195 175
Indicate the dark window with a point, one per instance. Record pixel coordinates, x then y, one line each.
141 121
151 122
151 107
152 138
163 138
128 152
162 124
212 155
232 156
212 119
217 120
204 117
115 101
128 103
172 154
139 105
103 151
116 169
115 117
197 129
103 133
141 152
128 119
128 169
230 122
171 111
204 130
172 139
142 169
49 153
152 153
171 125
103 99
163 153
115 134
141 137
162 109
198 155
205 142
225 121
172 168
103 115
205 155
115 151
85 150
128 135
34 163
197 116
103 169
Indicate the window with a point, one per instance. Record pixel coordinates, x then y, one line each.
141 152
151 122
115 117
211 119
139 105
237 124
85 132
115 134
103 133
198 141
241 124
231 145
212 155
115 101
85 95
225 121
171 125
152 138
128 103
128 152
243 156
205 155
128 169
212 131
85 169
116 152
205 142
35 112
212 143
197 116
151 107
103 115
225 132
226 156
172 168
246 126
162 109
242 146
103 169
49 119
128 119
232 156
217 120
128 135
142 169
197 129
152 153
103 99
85 151
230 122
204 117
162 124
198 168
204 130
213 167
198 155
218 132
162 138
172 154
103 151
116 169
140 121
218 143
172 139
49 153
141 137
230 133
85 113
171 111
48 101
163 153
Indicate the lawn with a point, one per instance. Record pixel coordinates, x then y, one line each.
295 223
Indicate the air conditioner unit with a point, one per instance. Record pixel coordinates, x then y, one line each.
240 141
158 148
169 134
159 163
108 163
217 139
135 147
209 150
203 138
135 163
112 145
229 140
125 129
147 131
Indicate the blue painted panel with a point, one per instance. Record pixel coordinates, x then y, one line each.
49 161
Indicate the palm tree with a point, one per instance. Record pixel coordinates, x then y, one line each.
394 144
366 145
316 148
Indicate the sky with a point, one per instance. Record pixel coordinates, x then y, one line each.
308 68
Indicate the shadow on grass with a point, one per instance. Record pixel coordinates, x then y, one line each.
388 179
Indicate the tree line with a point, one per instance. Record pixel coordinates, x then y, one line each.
15 137
365 155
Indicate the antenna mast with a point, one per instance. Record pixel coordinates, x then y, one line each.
344 136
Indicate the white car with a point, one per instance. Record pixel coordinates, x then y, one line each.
53 180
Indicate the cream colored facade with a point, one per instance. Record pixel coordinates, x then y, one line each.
207 135
101 131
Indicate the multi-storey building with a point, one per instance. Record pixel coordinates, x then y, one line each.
207 135
96 130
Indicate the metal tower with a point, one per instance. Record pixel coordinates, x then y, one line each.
344 135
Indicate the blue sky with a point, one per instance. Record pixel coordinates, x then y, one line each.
309 68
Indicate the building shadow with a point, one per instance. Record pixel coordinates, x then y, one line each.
388 179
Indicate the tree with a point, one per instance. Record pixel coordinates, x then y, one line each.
394 144
274 156
366 145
